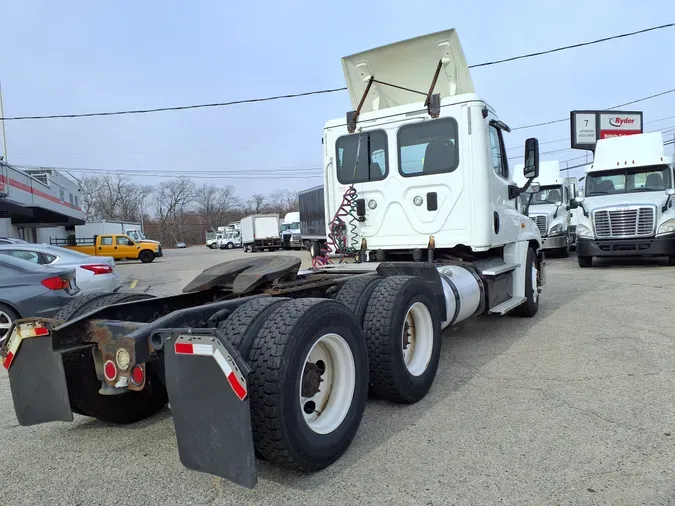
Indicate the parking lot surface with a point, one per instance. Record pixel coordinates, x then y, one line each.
573 406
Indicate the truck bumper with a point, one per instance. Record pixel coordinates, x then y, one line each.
555 242
650 246
206 381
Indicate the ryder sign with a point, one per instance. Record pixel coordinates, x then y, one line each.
589 126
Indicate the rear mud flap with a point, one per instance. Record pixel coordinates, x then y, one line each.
206 380
38 383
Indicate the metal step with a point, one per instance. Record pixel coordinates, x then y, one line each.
499 269
507 306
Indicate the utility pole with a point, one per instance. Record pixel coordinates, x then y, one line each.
142 231
4 134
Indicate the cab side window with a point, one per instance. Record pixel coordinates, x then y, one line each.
123 241
106 241
499 163
567 195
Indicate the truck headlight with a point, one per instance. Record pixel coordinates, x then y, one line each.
556 229
667 227
584 231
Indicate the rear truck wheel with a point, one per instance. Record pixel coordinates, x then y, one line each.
7 317
84 384
585 261
308 383
671 262
242 326
355 294
403 337
314 249
530 307
146 256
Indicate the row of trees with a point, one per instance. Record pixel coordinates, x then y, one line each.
177 209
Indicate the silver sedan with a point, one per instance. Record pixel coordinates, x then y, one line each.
93 273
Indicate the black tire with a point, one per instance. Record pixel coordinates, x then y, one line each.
314 249
82 304
585 261
229 245
671 260
83 383
355 294
11 315
383 328
242 326
146 256
280 432
530 307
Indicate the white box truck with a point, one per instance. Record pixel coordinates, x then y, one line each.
260 231
627 204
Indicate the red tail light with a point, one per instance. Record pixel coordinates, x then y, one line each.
56 283
98 268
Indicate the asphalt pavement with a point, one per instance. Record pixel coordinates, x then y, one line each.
573 406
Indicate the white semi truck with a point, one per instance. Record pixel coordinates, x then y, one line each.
290 231
549 207
627 204
260 357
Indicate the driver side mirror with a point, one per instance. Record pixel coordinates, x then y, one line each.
558 203
670 192
531 168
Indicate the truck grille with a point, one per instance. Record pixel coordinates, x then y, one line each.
541 220
287 239
624 223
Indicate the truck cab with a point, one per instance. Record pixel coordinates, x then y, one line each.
410 178
627 204
290 231
549 206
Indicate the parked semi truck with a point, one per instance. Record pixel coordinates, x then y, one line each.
131 229
290 231
627 204
260 231
260 357
549 206
312 219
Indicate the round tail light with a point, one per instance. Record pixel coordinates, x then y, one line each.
110 370
137 375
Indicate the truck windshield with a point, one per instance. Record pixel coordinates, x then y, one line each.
373 159
629 180
285 227
545 195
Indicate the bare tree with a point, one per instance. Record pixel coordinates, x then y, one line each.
112 197
256 203
216 204
173 200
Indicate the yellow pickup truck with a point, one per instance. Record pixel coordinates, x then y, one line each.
118 246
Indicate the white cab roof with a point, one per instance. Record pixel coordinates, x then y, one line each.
411 64
629 151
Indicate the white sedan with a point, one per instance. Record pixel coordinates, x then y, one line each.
92 273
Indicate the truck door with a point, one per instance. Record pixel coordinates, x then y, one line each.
125 247
505 215
105 246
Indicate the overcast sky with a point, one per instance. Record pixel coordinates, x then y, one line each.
84 56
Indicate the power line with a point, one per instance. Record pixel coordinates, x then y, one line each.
331 90
607 109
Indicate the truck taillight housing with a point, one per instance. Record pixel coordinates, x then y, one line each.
98 268
55 283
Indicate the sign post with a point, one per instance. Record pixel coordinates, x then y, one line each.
587 127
